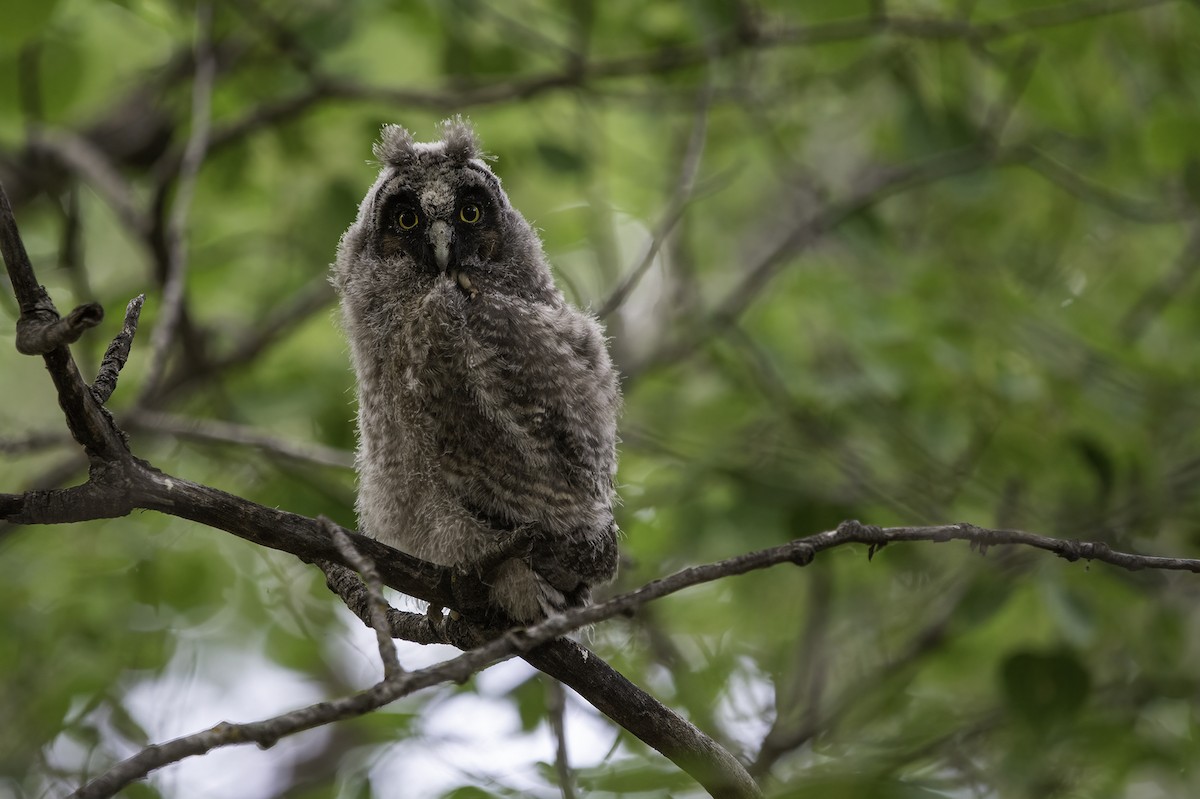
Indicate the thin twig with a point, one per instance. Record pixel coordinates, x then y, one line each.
377 605
1160 294
216 431
803 550
669 60
1091 192
33 442
680 195
189 169
41 331
556 708
313 297
118 352
416 627
93 165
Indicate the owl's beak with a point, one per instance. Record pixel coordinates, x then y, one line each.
440 235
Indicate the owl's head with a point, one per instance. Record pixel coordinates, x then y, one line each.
437 209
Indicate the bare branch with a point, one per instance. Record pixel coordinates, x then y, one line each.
593 679
33 442
118 352
86 419
660 727
802 551
1169 287
684 184
85 159
40 330
215 431
264 733
419 628
280 321
189 170
702 763
750 35
873 189
1075 184
556 707
377 606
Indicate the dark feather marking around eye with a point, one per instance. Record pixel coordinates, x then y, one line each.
393 205
477 196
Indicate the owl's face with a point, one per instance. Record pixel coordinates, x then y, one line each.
437 210
445 217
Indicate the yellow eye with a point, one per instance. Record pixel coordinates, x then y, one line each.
408 220
470 214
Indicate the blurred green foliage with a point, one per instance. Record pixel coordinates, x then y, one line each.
995 322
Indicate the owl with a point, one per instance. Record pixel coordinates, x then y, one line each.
487 404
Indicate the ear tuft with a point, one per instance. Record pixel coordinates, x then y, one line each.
395 146
459 138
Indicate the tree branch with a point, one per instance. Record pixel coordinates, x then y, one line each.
189 170
749 36
377 606
86 419
84 158
118 352
680 195
214 431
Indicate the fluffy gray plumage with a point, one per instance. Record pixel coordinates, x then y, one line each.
487 404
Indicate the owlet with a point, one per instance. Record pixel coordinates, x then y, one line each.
487 404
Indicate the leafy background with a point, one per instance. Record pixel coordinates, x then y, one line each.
936 262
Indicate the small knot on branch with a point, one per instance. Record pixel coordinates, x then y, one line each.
42 331
980 539
870 534
228 733
1085 550
802 554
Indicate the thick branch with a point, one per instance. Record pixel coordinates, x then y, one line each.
303 537
637 711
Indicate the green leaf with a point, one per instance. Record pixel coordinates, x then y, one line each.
531 702
23 20
1044 687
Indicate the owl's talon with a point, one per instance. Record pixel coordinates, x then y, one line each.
509 545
